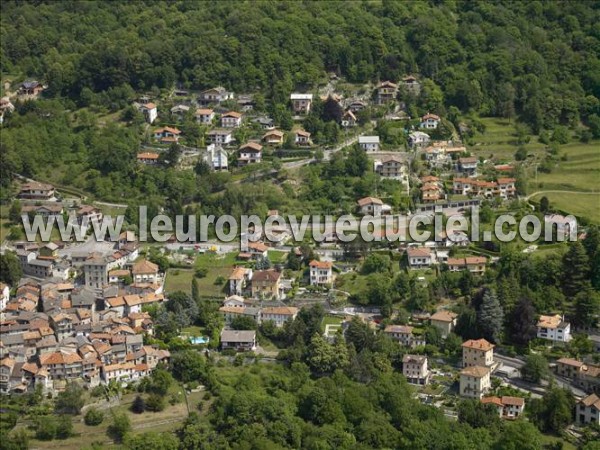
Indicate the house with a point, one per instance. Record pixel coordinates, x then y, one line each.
149 111
145 271
240 340
564 225
31 87
455 238
386 92
220 136
401 333
587 410
475 381
302 138
266 284
321 272
356 106
477 352
468 166
431 192
507 407
411 85
231 312
568 367
117 275
274 137
444 321
507 187
391 166
167 134
348 119
258 250
278 314
231 119
429 121
266 123
5 107
239 279
48 210
33 190
88 213
4 295
204 116
418 139
62 365
215 95
418 257
369 143
554 328
179 111
148 158
250 153
216 157
474 264
414 368
584 376
95 270
370 205
468 186
301 103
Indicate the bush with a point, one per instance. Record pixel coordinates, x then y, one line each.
119 427
155 403
93 417
64 427
201 273
139 405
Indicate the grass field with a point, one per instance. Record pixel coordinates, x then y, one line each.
581 205
499 141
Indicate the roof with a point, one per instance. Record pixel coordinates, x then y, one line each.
254 146
35 186
550 321
386 84
369 201
238 335
414 359
475 371
59 358
204 112
515 401
444 316
168 130
238 273
506 180
468 160
297 96
398 329
493 400
280 310
302 133
148 106
148 155
144 266
430 116
368 139
418 252
258 246
591 400
570 362
321 264
277 133
233 114
266 275
478 344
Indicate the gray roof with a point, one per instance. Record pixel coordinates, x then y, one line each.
41 262
134 339
12 339
368 139
251 311
238 335
83 297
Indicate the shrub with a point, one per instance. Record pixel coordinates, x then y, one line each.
155 403
139 405
93 417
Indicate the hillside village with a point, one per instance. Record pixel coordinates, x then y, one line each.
87 313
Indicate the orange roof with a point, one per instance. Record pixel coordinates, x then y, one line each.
234 114
430 116
444 316
418 252
478 344
232 309
252 146
398 329
475 371
149 105
238 273
549 321
387 84
303 133
59 358
429 179
369 201
590 400
515 401
143 267
168 130
148 155
204 112
280 310
570 362
277 133
493 400
258 246
506 180
321 264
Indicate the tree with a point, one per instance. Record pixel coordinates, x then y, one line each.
535 368
243 323
155 402
152 440
554 411
139 405
478 415
575 270
376 263
93 417
119 427
491 316
523 322
357 162
544 205
45 428
359 334
202 168
10 269
14 213
188 365
587 308
64 427
519 435
70 401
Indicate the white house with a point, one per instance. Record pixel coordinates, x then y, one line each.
475 382
4 295
145 271
468 165
369 143
215 95
430 121
220 136
414 368
149 111
321 272
216 157
418 139
301 103
554 328
278 314
418 257
250 153
370 205
239 279
231 119
204 115
167 134
302 137
179 111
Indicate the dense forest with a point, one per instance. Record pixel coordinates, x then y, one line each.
536 62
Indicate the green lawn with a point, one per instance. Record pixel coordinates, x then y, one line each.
277 256
581 205
179 280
